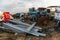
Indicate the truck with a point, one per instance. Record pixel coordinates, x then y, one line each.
57 17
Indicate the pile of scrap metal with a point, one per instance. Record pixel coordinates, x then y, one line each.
41 15
34 15
20 27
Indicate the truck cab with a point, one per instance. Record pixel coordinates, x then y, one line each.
57 16
57 13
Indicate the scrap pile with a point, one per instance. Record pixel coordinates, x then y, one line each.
36 22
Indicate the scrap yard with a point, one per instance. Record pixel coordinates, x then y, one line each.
36 23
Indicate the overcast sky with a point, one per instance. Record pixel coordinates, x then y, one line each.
22 5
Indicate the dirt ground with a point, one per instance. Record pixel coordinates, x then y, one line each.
7 36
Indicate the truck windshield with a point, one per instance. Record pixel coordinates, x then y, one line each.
57 11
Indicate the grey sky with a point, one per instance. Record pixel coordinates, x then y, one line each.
22 5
